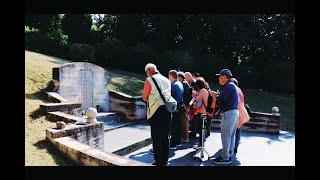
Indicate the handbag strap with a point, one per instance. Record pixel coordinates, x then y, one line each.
203 103
155 82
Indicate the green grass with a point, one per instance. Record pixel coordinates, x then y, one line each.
39 152
126 82
264 101
261 101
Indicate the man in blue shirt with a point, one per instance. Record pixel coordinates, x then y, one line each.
177 94
228 105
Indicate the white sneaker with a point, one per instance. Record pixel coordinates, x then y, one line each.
197 146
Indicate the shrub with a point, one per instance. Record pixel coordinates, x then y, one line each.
82 52
274 77
108 53
139 56
174 59
248 77
52 43
279 77
208 65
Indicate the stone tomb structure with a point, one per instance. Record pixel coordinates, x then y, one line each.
85 83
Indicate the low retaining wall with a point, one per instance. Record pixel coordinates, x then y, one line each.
85 155
85 145
133 147
259 122
134 108
91 134
66 107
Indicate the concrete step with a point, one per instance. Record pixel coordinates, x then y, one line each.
62 116
109 117
110 120
55 97
66 107
127 139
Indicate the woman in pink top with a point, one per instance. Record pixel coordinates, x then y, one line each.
201 100
243 114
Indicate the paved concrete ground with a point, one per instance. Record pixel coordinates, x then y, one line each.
125 136
256 149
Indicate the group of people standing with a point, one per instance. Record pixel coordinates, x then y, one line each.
169 130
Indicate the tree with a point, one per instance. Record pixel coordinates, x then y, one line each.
130 29
163 31
98 20
77 27
43 22
191 31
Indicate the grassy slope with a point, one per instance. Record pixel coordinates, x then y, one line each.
39 72
37 150
126 82
264 101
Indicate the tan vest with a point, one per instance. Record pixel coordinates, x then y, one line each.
154 98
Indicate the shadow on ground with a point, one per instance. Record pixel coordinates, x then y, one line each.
190 160
41 93
36 114
147 157
275 137
59 157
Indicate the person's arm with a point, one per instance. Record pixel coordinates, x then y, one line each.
199 104
146 90
173 91
199 98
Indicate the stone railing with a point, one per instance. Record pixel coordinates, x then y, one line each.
85 145
90 134
259 122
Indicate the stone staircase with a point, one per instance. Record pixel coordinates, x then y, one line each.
121 136
60 109
66 107
62 116
110 120
56 98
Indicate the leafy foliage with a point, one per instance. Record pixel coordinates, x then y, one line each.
250 45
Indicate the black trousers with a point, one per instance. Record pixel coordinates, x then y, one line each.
160 127
176 128
207 125
193 127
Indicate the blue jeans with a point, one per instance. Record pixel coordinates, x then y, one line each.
229 123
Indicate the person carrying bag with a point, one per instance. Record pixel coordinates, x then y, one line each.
171 103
